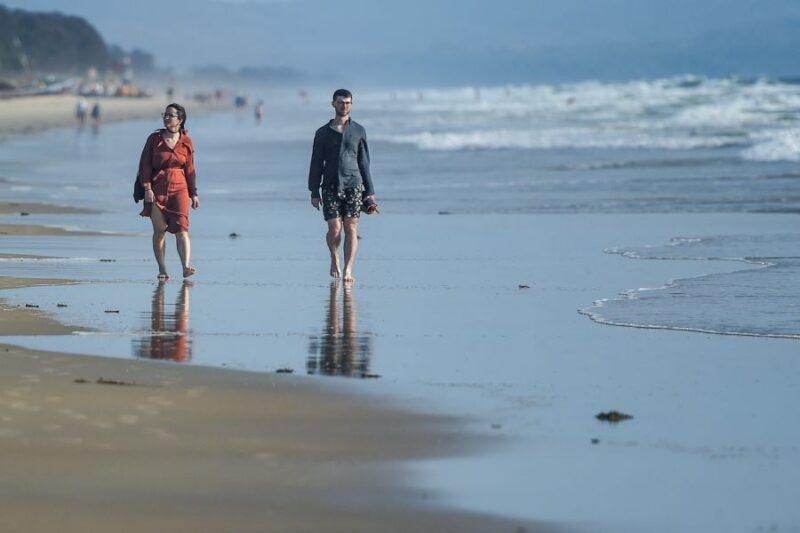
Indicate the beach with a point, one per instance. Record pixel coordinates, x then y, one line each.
92 443
520 280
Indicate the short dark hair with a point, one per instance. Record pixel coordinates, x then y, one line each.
181 113
344 93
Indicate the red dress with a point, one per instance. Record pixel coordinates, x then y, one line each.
170 172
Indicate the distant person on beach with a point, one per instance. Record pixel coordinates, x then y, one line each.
259 111
340 171
96 113
166 171
81 109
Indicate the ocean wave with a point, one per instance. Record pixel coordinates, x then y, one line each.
557 138
680 113
782 145
757 301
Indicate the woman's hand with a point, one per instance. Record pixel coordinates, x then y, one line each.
149 197
195 202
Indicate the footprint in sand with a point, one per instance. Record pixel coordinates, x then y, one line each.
195 392
161 434
147 409
74 415
128 419
158 400
71 441
17 391
23 406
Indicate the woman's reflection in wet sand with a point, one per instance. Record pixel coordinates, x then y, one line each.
169 338
340 350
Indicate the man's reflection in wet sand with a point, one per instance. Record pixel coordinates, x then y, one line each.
340 350
169 339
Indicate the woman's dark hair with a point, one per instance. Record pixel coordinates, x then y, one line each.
344 93
181 113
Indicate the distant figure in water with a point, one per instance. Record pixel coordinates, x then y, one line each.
259 111
166 171
81 109
303 94
340 168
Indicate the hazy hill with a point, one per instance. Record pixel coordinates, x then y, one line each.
48 42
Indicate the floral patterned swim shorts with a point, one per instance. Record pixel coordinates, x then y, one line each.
345 205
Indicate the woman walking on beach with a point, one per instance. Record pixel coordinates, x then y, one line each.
166 171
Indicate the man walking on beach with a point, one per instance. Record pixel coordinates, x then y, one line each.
340 168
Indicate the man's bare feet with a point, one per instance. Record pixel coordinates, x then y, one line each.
188 271
348 277
335 268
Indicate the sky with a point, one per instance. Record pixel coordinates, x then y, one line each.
450 41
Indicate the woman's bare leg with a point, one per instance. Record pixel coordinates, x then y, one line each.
185 252
159 241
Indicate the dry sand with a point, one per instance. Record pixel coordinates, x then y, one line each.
34 113
100 444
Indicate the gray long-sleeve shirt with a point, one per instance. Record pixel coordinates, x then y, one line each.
340 161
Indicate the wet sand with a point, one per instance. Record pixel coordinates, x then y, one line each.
39 230
174 448
38 208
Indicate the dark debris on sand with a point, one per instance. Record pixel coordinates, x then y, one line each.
104 381
112 311
370 376
524 286
612 416
285 370
108 260
34 306
234 235
61 305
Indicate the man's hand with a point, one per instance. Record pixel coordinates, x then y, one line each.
195 202
315 203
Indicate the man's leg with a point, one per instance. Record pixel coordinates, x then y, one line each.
350 247
334 238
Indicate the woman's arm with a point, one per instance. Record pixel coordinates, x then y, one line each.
189 172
